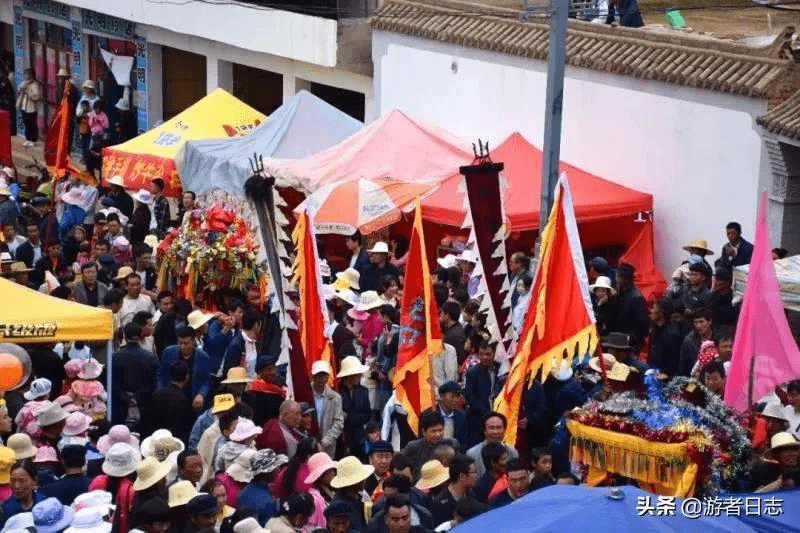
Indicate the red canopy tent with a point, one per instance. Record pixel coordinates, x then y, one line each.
606 212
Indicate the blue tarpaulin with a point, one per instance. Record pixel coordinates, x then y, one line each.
300 127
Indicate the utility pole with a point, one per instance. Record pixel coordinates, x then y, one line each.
551 152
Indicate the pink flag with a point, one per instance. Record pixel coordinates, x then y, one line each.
763 333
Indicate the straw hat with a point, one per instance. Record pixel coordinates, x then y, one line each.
348 279
369 300
143 196
50 414
152 241
161 444
62 73
347 296
7 460
448 261
121 460
21 445
608 359
180 493
50 516
245 429
91 369
781 441
267 461
40 387
241 469
17 267
432 474
197 318
222 402
320 367
46 454
149 472
89 84
236 374
77 423
351 471
379 247
602 282
116 180
774 410
318 464
351 366
700 244
249 525
619 372
89 520
117 434
4 191
123 273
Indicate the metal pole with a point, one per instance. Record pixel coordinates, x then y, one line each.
109 389
551 152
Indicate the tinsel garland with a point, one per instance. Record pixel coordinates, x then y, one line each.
716 440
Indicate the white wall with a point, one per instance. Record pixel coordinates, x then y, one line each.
697 152
281 33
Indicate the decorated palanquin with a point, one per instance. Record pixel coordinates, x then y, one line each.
672 442
213 249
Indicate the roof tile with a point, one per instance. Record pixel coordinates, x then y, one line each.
673 57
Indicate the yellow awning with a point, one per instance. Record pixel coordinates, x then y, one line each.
30 316
152 154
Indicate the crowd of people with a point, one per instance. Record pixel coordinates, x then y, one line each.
203 435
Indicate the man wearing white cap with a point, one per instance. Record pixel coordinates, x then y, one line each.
9 210
379 266
328 406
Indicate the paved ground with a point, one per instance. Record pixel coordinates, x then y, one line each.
24 156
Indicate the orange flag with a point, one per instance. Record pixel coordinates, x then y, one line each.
420 336
559 321
56 142
313 313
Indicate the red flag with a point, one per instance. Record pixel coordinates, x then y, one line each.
764 352
559 320
56 142
313 313
420 336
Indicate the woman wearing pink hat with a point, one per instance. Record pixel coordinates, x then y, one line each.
76 431
117 434
322 469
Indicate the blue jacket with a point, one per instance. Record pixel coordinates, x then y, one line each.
12 507
258 497
73 215
203 422
234 353
355 403
215 344
459 427
199 371
743 254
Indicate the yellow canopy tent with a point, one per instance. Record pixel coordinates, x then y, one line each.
152 154
30 316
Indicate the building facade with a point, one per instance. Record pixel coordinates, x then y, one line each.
261 55
666 113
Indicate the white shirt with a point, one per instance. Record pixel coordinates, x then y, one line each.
794 420
250 355
14 244
130 307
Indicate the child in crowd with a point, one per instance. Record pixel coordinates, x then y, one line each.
542 474
98 122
